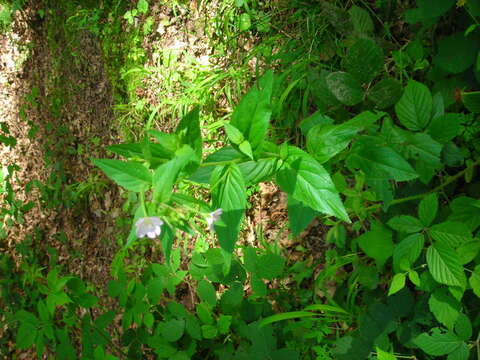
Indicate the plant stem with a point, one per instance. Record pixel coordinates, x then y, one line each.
142 202
434 190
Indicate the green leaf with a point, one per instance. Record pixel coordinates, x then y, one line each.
410 249
253 112
229 194
446 127
142 6
269 266
345 87
467 211
234 135
130 175
307 181
377 243
428 11
474 280
209 331
463 327
285 316
325 141
383 355
223 324
364 60
188 131
471 100
468 251
207 292
299 215
25 335
456 53
173 330
438 343
323 98
204 313
246 149
451 233
397 284
361 20
167 174
461 353
381 163
316 118
427 209
385 93
414 278
444 307
405 223
414 109
444 265
258 171
427 152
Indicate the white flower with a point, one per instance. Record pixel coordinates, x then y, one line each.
213 217
149 226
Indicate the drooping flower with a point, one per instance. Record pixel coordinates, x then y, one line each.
213 217
149 226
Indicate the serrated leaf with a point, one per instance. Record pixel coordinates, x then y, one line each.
405 223
364 60
460 353
345 88
325 141
258 171
229 194
471 100
468 251
306 180
128 174
444 307
381 163
397 284
450 232
438 343
467 211
463 327
361 20
474 280
252 114
409 248
207 292
456 53
444 265
414 109
426 152
299 215
25 335
269 266
377 243
445 127
385 93
427 209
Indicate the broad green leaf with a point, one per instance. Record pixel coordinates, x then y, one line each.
188 131
167 174
223 324
209 331
414 277
361 20
427 209
299 215
446 127
426 151
232 298
450 232
258 171
385 93
463 327
234 135
142 6
253 112
25 335
227 153
325 141
207 292
306 180
405 223
444 307
130 175
467 211
381 163
377 243
345 87
269 266
456 53
192 327
444 265
316 118
468 251
323 98
428 11
229 194
364 60
246 149
397 284
471 100
166 238
474 280
173 330
414 109
460 353
438 343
